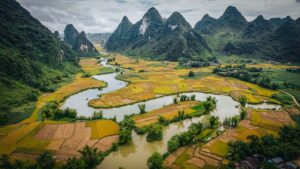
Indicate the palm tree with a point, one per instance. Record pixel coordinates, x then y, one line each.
142 108
91 156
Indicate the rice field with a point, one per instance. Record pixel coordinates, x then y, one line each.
160 78
168 112
12 134
91 65
103 128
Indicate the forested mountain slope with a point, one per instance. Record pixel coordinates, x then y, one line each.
32 58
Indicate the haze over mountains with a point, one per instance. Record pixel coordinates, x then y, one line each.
275 39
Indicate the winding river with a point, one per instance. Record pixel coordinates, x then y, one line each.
135 155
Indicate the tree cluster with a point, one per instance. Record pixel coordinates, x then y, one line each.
89 159
185 138
253 75
127 125
51 110
286 146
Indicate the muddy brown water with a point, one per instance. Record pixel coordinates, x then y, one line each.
135 155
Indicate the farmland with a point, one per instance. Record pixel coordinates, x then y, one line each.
146 80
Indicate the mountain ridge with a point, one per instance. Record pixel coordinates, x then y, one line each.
156 38
229 34
79 42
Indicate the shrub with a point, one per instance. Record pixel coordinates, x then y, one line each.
175 100
155 133
213 121
46 161
155 161
86 74
173 144
191 74
97 115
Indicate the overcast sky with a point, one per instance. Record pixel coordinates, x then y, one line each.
105 15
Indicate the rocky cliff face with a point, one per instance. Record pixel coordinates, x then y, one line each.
231 33
83 46
158 39
70 35
79 42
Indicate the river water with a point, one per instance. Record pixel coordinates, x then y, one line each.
135 155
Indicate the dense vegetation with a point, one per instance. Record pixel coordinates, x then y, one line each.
89 159
185 138
286 146
127 125
253 75
155 161
283 79
155 133
32 59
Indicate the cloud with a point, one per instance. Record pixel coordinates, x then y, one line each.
105 15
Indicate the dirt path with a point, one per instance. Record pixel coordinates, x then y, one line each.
295 100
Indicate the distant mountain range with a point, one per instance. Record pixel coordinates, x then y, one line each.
79 42
174 38
99 38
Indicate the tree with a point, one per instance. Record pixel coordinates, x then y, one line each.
175 100
91 156
46 160
193 97
125 136
74 163
173 143
127 123
5 163
243 101
3 118
142 108
163 120
243 114
155 161
209 104
191 74
155 133
181 115
97 115
213 121
184 98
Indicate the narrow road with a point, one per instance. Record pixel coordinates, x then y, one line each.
295 100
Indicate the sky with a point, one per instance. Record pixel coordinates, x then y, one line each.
99 16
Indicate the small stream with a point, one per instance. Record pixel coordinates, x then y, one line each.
135 155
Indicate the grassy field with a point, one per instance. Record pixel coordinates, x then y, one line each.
103 128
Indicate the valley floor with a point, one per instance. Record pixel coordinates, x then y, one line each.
147 80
